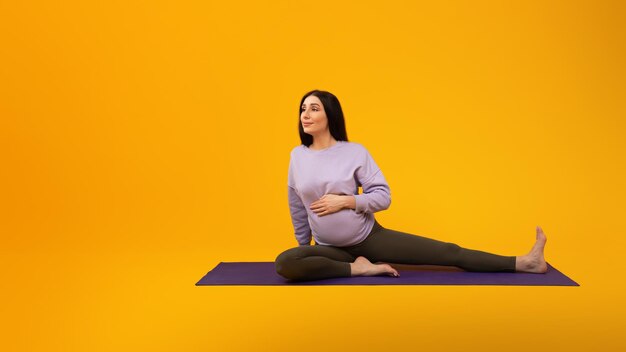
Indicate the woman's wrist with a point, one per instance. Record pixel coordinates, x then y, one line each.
349 202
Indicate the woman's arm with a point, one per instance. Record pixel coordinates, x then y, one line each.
376 194
299 215
299 218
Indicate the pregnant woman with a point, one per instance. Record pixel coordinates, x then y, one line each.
325 172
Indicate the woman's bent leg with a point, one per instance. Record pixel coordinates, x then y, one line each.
314 263
390 246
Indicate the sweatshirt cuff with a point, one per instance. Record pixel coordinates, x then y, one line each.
359 203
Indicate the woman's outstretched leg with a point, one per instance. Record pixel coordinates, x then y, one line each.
385 245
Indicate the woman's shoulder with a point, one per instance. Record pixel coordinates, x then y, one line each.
297 148
356 147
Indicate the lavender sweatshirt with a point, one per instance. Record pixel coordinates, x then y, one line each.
339 169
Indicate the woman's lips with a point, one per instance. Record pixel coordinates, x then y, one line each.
307 124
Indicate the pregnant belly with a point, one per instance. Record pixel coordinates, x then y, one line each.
337 228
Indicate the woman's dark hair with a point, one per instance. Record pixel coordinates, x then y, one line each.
336 123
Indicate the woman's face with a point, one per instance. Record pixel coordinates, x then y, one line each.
312 116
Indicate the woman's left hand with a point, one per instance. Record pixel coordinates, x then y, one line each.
328 204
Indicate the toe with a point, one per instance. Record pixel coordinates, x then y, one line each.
540 234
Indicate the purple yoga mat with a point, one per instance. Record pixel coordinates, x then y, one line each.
264 273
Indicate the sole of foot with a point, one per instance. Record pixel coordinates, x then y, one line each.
363 267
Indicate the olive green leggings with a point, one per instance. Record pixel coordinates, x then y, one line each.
388 246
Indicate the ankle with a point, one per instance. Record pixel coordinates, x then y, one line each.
355 270
521 263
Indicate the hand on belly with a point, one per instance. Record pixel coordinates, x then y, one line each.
328 204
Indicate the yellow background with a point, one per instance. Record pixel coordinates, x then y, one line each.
144 142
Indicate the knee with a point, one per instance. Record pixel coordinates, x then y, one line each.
453 247
286 265
281 263
453 251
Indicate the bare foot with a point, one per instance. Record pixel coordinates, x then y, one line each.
363 267
534 261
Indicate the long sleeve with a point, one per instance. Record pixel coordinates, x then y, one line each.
299 216
376 194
